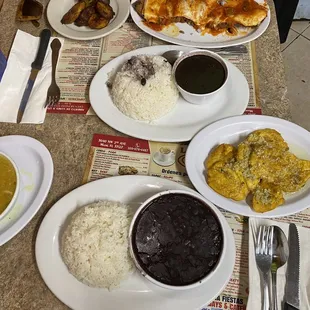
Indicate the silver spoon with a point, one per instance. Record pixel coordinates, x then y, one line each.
172 56
280 251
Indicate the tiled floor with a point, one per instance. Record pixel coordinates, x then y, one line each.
296 56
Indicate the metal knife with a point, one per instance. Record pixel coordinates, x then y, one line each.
291 297
36 67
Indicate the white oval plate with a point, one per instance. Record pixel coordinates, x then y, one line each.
184 121
233 130
35 166
188 36
136 293
57 8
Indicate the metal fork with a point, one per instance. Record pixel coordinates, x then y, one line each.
263 257
53 93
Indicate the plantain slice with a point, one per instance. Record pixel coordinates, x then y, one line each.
72 15
227 182
223 152
84 17
266 197
105 10
97 22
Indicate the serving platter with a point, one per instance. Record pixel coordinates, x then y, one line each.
35 166
136 292
57 8
184 121
232 131
186 35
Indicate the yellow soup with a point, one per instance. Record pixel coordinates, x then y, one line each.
8 181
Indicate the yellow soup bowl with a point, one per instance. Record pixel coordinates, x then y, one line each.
9 184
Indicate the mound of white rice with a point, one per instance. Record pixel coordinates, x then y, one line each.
144 89
95 246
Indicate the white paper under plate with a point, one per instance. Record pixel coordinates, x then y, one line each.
35 166
184 34
184 121
232 131
136 293
255 299
57 8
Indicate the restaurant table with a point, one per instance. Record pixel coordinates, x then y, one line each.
68 138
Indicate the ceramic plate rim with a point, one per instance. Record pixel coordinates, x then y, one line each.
107 112
62 213
216 44
123 11
47 180
217 199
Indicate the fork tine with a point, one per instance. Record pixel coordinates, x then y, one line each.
266 247
264 240
270 240
259 240
263 244
56 99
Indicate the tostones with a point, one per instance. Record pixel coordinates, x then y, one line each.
223 152
267 197
261 165
229 183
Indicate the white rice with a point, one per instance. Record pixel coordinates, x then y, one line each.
94 245
146 102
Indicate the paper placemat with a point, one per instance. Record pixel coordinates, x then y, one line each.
80 60
114 155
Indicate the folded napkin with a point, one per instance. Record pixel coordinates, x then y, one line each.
15 78
254 301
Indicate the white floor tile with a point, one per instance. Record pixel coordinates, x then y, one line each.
300 25
297 67
292 35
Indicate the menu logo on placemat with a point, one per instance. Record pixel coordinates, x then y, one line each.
121 143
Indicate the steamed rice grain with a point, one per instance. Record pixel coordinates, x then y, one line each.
145 91
94 245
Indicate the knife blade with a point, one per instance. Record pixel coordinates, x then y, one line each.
35 68
292 274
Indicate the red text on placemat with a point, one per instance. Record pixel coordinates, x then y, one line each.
254 111
121 143
69 108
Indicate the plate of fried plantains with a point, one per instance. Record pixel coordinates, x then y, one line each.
87 19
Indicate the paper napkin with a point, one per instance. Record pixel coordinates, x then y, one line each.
254 301
15 78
